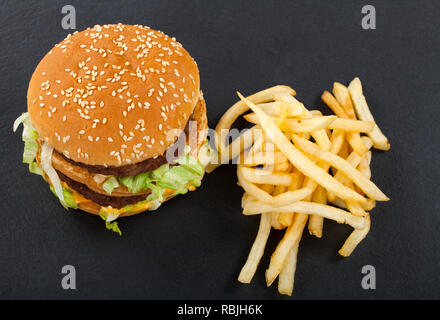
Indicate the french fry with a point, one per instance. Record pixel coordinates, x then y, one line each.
343 152
301 125
320 134
290 240
364 113
293 196
266 177
352 125
364 165
274 215
294 185
239 108
284 166
322 139
246 198
274 109
251 188
236 147
257 147
316 223
337 140
343 108
286 279
360 180
355 238
343 97
231 115
298 159
257 250
285 218
274 221
354 207
333 104
337 202
290 99
355 141
261 158
367 206
354 160
305 207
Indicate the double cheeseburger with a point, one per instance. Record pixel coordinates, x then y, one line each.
116 121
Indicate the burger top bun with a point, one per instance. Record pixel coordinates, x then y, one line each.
113 95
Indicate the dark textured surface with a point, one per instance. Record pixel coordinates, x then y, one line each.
195 245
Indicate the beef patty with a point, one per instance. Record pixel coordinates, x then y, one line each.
101 199
132 169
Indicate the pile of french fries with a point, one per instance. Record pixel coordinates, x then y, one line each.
298 167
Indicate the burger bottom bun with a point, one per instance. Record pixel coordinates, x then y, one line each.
94 208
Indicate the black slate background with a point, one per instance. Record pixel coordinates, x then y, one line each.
194 246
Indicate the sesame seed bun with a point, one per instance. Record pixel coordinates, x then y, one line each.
111 95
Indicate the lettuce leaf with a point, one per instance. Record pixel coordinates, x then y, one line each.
68 198
35 169
140 181
113 226
110 225
187 173
71 203
191 164
29 137
110 184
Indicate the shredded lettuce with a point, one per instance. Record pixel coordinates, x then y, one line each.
113 226
110 184
140 181
191 164
22 118
206 154
46 165
30 151
29 137
156 193
187 172
35 168
110 224
68 198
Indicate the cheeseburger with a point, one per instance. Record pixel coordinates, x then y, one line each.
116 121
